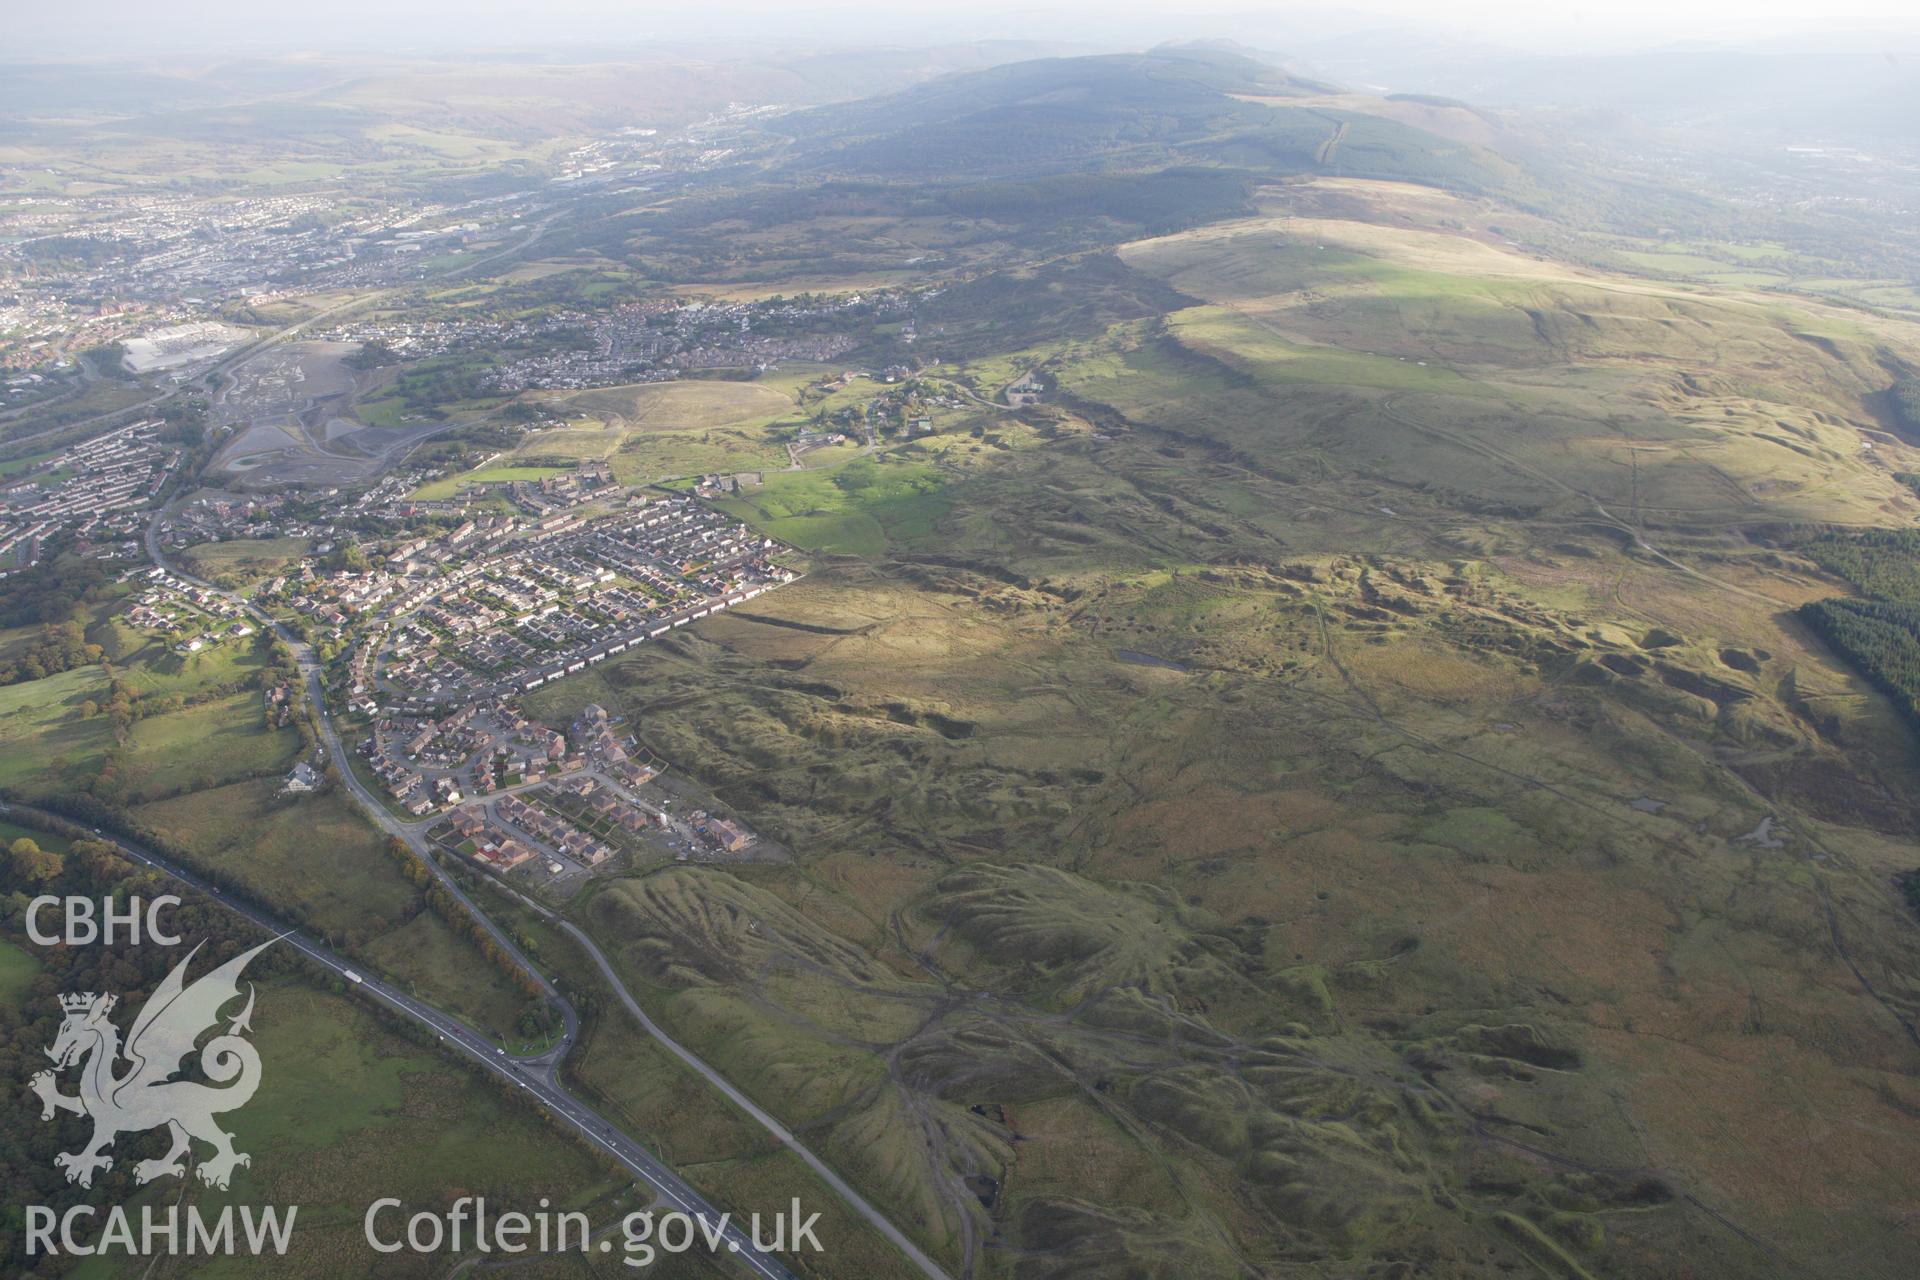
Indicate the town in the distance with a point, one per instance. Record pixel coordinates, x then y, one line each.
1052 645
439 627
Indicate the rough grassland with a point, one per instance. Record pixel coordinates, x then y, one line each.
659 430
45 743
1314 820
349 1111
683 405
629 1078
240 563
206 745
156 668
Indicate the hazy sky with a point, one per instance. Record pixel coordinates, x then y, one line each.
130 26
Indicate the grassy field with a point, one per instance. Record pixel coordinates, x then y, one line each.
156 669
448 486
313 856
582 438
96 400
659 430
49 742
17 968
385 411
667 455
11 831
1693 264
207 745
45 741
16 640
242 563
1241 343
859 507
685 405
12 467
319 861
349 1111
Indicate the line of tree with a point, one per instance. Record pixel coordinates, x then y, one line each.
59 647
538 1017
1881 638
1906 402
1908 882
55 590
93 869
1878 635
1881 563
375 353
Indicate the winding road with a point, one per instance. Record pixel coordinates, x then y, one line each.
536 1073
541 1072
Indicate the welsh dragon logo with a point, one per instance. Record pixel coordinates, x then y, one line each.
144 1095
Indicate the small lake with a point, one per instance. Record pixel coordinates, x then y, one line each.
1149 660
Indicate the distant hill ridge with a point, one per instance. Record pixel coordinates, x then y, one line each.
1175 105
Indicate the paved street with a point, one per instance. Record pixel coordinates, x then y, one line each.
539 1072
